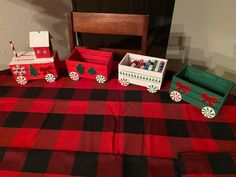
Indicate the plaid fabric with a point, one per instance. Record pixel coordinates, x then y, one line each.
17 162
208 164
85 116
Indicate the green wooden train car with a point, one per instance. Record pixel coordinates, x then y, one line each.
204 90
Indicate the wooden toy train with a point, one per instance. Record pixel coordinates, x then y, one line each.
194 86
42 63
202 89
90 64
142 70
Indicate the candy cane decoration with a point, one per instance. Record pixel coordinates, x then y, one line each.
13 49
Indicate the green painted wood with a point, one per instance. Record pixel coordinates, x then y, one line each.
196 91
196 102
207 81
211 77
202 82
216 81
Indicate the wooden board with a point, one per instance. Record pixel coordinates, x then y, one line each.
89 63
33 69
39 39
201 88
140 76
196 91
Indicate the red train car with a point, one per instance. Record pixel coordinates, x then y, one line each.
27 67
90 64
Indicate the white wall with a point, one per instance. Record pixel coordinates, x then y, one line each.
18 17
203 34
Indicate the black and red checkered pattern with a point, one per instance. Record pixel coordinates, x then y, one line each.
208 164
88 117
17 162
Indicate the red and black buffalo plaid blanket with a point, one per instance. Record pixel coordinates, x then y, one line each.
208 164
84 128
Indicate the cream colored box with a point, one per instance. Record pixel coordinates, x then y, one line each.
138 76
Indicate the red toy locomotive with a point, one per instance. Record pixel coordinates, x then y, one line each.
42 63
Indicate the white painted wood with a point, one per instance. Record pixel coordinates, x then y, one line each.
39 39
24 56
30 58
128 72
208 112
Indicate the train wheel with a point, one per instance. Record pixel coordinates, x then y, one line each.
175 96
50 78
21 80
208 112
100 79
74 76
124 82
152 88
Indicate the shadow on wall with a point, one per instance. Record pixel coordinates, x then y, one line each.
179 48
176 51
226 70
178 55
58 9
229 74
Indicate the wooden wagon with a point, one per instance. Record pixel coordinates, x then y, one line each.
27 67
204 90
90 64
148 77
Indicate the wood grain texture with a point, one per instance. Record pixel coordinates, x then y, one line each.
72 40
102 23
202 83
111 24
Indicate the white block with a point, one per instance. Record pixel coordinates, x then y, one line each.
39 39
139 76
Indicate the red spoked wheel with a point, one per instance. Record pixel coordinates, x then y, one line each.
74 76
175 96
124 82
21 80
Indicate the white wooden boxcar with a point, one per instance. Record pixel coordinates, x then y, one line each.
150 78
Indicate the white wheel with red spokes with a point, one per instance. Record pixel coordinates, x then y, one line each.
74 76
175 96
100 79
124 82
50 78
208 112
21 80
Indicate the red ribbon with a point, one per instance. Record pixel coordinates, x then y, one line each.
208 99
46 70
181 87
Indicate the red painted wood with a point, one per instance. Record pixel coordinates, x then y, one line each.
41 68
43 52
100 61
